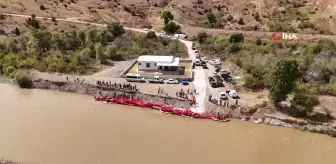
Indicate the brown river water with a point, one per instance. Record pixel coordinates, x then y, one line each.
40 126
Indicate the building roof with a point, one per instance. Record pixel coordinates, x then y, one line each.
175 63
158 59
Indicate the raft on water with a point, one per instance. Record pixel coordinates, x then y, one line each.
161 107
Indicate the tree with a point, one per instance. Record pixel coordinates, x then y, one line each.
99 52
91 35
116 29
236 38
23 80
81 36
171 28
43 40
151 35
111 50
84 56
211 18
282 80
303 102
202 37
167 16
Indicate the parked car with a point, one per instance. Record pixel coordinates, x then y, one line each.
156 79
193 48
196 52
233 94
222 95
172 81
185 82
205 66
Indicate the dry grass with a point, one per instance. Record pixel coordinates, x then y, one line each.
146 13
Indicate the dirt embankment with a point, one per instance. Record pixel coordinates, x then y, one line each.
3 161
94 90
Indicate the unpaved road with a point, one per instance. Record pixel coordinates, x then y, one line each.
191 30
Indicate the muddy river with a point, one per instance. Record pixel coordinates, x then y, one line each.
39 126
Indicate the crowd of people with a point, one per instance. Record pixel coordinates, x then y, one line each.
117 85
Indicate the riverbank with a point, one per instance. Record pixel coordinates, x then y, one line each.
3 161
261 114
255 115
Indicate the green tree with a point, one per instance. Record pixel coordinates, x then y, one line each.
303 102
81 36
91 36
282 80
99 52
202 37
116 29
167 16
84 56
43 40
23 80
111 50
171 28
211 18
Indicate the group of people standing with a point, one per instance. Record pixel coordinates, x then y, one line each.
117 85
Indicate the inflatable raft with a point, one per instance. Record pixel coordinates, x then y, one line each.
163 108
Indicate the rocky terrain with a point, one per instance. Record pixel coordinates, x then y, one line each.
302 16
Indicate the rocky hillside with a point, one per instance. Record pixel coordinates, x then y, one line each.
303 16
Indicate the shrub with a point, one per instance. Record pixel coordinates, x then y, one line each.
234 48
236 38
171 28
8 70
259 42
229 18
241 21
151 35
23 80
303 102
42 7
211 18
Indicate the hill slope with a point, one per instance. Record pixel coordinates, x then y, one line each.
303 16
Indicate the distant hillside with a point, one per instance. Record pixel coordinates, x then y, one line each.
303 16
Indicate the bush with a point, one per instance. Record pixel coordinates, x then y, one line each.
303 102
251 82
8 70
151 35
23 80
236 38
171 28
234 48
42 7
241 21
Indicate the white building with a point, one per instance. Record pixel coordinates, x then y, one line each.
158 63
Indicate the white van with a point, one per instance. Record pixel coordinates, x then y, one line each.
130 77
